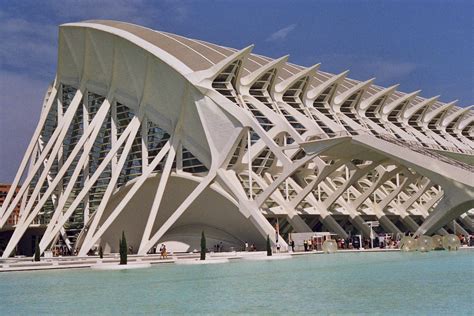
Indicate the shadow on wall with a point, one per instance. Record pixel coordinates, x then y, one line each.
212 212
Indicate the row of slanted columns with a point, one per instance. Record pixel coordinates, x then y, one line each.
299 111
323 207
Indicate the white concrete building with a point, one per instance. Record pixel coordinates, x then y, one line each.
163 137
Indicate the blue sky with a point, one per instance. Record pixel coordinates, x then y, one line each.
427 45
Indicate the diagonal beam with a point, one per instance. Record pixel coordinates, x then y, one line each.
28 154
324 172
159 193
53 229
90 182
177 214
93 237
56 141
288 171
27 218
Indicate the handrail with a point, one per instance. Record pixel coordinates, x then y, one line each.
426 149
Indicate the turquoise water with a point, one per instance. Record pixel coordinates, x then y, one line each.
435 283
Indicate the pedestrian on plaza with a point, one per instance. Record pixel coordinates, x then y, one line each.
305 245
162 248
165 252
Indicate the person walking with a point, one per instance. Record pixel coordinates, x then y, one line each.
165 252
162 251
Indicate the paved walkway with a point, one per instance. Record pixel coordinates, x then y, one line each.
56 263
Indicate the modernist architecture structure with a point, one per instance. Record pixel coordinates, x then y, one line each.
163 137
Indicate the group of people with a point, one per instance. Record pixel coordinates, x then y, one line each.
250 247
60 251
163 251
219 247
310 244
466 240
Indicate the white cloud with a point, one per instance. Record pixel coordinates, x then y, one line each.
386 71
389 70
30 45
29 51
27 46
281 34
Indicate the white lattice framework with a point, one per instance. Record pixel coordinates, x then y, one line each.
163 136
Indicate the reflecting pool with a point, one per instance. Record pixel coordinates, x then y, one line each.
344 283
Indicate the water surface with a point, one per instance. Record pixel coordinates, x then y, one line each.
435 283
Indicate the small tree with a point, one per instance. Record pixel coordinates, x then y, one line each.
101 252
269 246
203 246
123 249
37 250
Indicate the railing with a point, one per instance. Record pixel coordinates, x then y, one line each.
425 149
416 147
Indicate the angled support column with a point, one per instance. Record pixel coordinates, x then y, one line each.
455 227
59 218
93 236
288 171
386 223
323 172
28 217
249 208
52 146
90 182
159 194
326 217
467 221
359 223
356 175
293 218
177 214
405 217
451 206
27 157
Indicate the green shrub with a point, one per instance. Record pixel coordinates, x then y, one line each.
37 250
203 246
269 246
123 249
101 252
